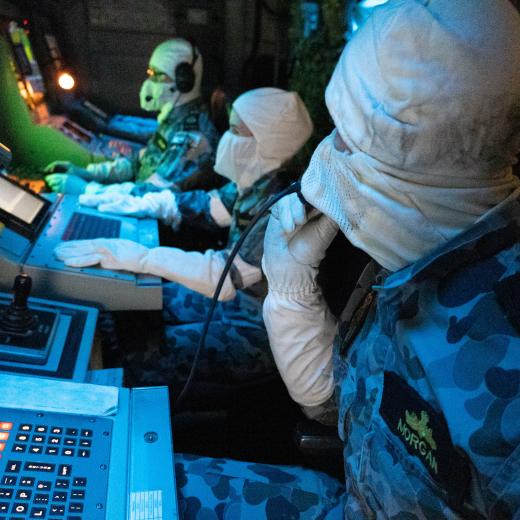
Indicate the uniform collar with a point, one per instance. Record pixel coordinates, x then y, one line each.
177 113
496 230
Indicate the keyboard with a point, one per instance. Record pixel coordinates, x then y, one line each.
53 466
83 226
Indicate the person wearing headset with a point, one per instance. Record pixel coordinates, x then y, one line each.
267 128
178 154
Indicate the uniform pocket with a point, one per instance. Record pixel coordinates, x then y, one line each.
394 482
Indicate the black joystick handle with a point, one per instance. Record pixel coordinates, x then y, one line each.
22 289
17 318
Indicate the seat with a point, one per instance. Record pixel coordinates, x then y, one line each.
320 447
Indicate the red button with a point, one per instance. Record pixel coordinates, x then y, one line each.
4 436
6 425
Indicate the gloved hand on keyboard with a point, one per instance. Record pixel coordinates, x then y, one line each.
109 253
160 205
197 271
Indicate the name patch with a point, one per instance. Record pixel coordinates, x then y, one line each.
160 142
424 433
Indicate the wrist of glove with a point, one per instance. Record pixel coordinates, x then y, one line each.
65 183
290 262
109 253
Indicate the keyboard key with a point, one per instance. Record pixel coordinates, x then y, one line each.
77 494
41 429
6 493
6 425
13 466
56 430
4 436
67 452
23 494
38 438
86 433
39 466
54 440
19 448
76 507
22 437
84 454
51 451
71 431
8 481
69 441
64 470
38 512
57 510
62 483
79 482
59 496
44 485
2 446
27 481
25 427
86 443
41 498
20 508
4 507
84 226
36 449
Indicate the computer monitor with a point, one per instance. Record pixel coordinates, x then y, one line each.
21 210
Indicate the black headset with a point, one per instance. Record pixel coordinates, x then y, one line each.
184 73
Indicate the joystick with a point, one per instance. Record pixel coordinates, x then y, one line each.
17 318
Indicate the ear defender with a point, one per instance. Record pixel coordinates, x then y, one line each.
184 73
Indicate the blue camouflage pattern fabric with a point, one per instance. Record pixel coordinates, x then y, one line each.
237 348
194 206
184 143
427 370
236 352
223 489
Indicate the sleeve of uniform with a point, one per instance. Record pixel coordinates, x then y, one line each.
206 210
120 170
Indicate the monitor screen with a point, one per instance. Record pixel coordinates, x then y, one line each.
18 202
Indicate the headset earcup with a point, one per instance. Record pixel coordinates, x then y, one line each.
184 77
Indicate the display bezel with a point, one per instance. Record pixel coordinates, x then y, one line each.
28 230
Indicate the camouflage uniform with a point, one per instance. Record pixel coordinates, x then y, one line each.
184 141
180 155
231 490
428 381
428 386
237 348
